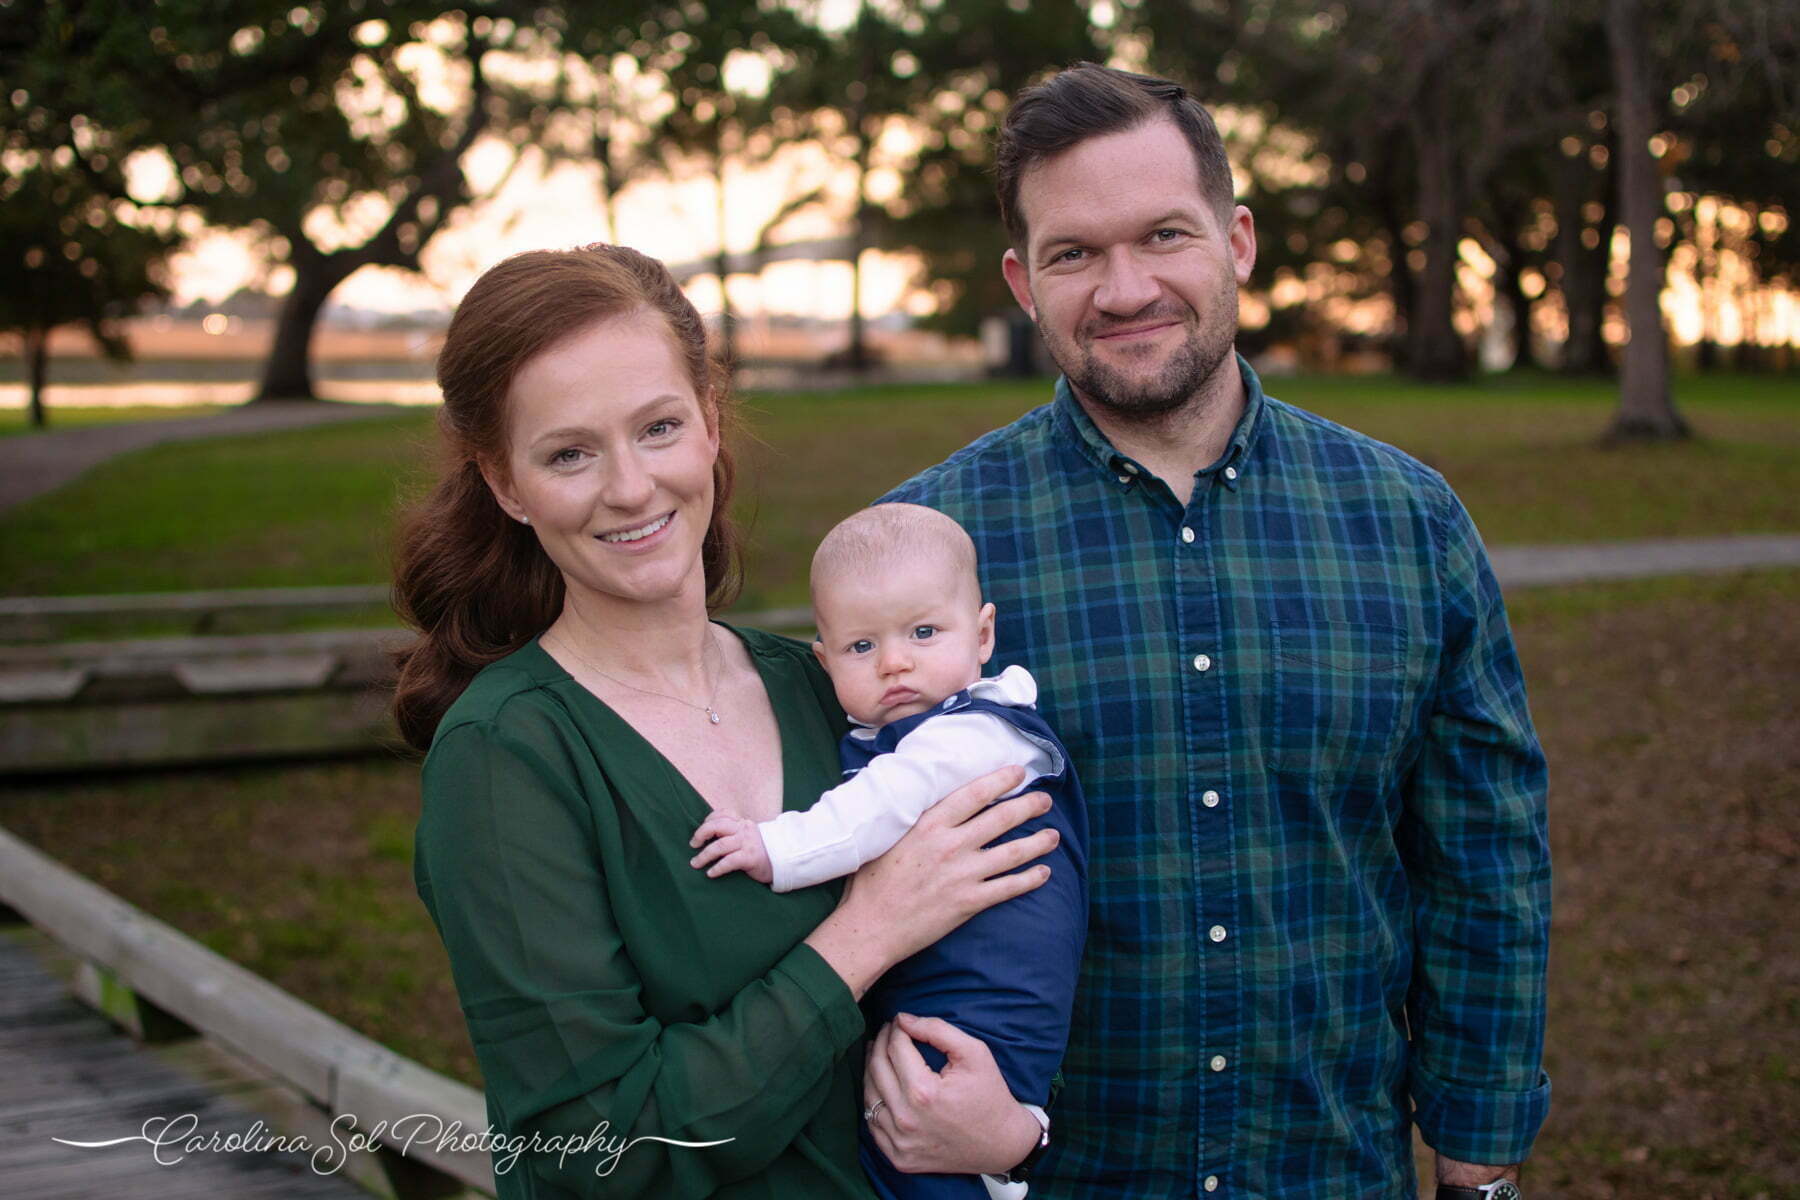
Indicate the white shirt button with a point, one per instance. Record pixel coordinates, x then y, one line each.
1210 798
1187 535
1231 472
1212 1183
1202 662
1124 479
1217 1063
1216 933
1130 467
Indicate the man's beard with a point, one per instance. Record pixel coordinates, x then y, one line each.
1181 379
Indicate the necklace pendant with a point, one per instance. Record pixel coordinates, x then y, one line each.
712 716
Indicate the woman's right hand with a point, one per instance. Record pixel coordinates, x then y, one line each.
935 878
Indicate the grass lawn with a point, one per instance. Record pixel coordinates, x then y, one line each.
1666 708
264 510
315 506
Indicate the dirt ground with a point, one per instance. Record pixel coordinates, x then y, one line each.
1668 711
1674 744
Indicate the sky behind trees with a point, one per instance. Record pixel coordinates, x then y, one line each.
1418 171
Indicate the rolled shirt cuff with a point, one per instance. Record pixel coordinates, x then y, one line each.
1478 1125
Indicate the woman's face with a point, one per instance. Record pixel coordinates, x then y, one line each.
610 458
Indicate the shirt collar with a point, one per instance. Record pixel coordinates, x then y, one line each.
1093 446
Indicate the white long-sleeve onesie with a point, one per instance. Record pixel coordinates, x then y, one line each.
862 817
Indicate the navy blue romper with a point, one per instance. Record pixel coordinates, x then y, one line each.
1007 975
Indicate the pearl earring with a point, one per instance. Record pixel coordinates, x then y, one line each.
524 520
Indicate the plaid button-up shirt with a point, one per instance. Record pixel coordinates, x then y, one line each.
1318 863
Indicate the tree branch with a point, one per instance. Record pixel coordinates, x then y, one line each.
441 181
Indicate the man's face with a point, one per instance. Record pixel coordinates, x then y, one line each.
1129 272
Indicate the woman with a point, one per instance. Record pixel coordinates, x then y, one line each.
685 1036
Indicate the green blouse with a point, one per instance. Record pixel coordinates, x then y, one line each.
609 986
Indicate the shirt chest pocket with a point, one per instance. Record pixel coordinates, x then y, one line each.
1340 700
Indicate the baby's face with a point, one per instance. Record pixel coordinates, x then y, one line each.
901 641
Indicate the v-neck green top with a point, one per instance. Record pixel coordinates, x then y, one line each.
612 991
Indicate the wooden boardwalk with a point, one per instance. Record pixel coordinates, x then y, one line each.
66 1072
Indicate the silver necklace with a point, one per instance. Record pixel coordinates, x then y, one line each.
712 714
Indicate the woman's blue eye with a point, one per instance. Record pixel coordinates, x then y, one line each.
923 632
660 428
565 456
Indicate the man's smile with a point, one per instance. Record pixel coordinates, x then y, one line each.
1135 332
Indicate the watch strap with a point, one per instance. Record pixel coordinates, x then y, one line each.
1023 1171
1500 1189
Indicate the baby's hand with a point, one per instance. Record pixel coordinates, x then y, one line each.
732 843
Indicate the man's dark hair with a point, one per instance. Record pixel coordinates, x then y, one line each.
1088 100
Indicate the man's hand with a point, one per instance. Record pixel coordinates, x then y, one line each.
1463 1174
732 843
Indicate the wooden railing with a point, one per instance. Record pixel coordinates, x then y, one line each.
156 982
68 705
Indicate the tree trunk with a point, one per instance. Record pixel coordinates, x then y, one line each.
602 150
1510 285
1402 288
858 356
1646 409
37 364
1582 269
1705 238
722 268
1748 356
1596 263
1524 350
1434 349
287 375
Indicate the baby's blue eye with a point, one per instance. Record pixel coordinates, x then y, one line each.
924 632
861 646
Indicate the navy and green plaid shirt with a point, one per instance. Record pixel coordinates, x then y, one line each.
1318 861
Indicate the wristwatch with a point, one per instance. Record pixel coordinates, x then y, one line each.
1500 1189
1022 1172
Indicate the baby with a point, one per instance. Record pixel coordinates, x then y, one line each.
903 634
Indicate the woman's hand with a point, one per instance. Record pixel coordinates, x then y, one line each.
935 878
961 1120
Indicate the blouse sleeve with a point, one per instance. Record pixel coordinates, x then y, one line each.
509 865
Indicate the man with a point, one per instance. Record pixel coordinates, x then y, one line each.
1318 862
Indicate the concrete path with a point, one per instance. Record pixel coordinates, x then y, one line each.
34 463
1641 558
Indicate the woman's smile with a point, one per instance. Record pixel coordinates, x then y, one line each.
639 533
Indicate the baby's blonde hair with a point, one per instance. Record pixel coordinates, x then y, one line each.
867 540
